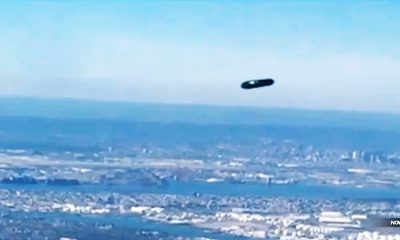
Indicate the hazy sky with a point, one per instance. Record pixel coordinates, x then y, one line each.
326 55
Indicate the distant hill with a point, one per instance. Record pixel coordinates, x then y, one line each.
197 114
58 124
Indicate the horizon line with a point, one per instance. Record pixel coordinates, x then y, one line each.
185 104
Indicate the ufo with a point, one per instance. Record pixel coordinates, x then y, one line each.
250 84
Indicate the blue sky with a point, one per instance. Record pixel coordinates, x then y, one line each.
323 54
